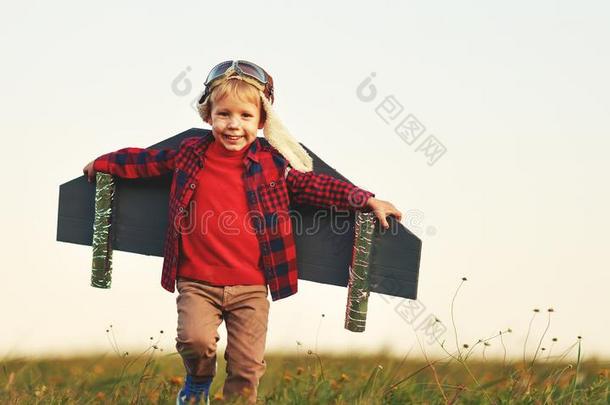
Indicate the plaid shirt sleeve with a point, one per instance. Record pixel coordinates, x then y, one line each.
322 190
134 163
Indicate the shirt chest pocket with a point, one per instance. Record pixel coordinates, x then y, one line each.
273 196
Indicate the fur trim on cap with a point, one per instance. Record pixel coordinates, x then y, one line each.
278 136
276 133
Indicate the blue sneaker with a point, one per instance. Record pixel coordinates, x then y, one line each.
194 391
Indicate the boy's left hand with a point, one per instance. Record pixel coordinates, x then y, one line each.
382 209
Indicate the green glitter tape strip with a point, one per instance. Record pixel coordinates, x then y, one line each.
358 283
101 274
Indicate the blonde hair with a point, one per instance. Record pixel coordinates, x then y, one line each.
274 130
236 88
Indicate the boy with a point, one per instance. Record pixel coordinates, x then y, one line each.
226 249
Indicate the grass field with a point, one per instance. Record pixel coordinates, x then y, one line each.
308 378
463 375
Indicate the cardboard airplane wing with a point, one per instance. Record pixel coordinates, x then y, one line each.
324 238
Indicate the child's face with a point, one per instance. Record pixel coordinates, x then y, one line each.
232 116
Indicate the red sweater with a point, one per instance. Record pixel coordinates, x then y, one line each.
218 248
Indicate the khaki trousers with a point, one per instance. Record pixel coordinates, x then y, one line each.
244 308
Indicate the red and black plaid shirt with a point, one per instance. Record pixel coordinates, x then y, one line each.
270 187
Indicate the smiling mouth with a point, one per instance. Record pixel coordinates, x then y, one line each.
232 138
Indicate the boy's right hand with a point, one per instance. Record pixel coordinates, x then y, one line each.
89 171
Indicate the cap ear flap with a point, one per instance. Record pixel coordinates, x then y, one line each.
204 110
278 136
263 116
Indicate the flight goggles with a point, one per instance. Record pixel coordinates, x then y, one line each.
242 68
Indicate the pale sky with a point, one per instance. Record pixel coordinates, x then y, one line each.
517 92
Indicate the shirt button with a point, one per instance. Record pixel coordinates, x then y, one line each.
181 209
272 184
192 185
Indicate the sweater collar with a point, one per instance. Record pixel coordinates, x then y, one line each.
205 141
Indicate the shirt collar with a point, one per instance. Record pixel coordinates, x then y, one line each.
253 151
